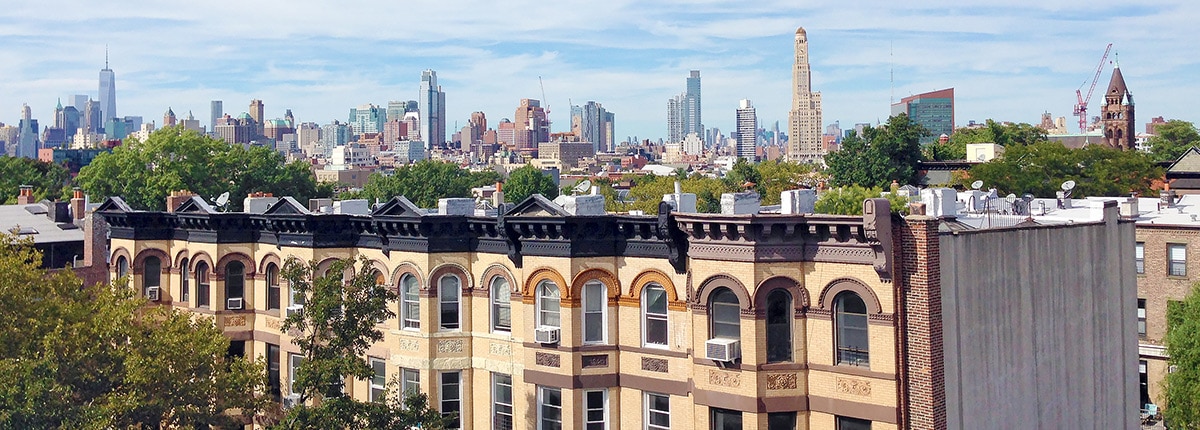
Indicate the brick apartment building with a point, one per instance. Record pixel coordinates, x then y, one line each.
549 317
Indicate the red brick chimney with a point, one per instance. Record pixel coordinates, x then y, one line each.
78 204
176 198
26 195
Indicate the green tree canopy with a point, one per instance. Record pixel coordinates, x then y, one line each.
48 179
97 357
1183 346
425 182
1041 168
172 159
1172 139
881 155
1003 134
848 200
527 181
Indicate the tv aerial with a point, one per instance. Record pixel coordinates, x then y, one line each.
222 201
1067 187
977 185
1011 198
582 187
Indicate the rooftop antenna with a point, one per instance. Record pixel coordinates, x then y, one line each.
222 201
582 187
892 72
105 56
1067 187
977 185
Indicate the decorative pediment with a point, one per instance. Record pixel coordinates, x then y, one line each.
195 204
1189 162
536 205
114 204
287 206
399 206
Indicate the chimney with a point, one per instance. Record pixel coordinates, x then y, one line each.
498 196
258 202
798 201
25 196
740 203
78 203
177 198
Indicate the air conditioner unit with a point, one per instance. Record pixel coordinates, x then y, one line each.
723 349
234 304
1172 368
546 335
154 294
294 310
290 401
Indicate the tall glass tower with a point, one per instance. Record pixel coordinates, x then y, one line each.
432 108
691 106
108 92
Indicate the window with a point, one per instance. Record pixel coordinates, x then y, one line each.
654 312
235 280
202 284
185 293
1141 317
501 305
151 275
410 302
1177 254
781 421
122 267
850 325
724 419
295 298
1139 257
237 349
272 287
549 408
502 402
273 370
779 326
548 304
595 324
294 363
449 295
379 379
1143 384
451 398
658 412
724 315
410 381
847 423
595 414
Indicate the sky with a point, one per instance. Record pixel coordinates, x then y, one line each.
1007 60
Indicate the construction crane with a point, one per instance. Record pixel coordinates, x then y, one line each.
1082 102
547 102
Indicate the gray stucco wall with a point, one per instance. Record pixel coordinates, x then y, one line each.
1039 327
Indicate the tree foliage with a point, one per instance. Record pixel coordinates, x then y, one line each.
1183 346
881 155
1172 139
425 182
650 190
848 200
97 357
1041 168
343 308
172 159
48 179
1003 134
527 181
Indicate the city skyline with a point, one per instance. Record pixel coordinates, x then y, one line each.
1006 62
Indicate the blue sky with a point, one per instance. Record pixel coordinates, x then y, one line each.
1007 60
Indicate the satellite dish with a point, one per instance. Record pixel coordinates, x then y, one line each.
1010 198
977 185
222 199
583 186
1068 186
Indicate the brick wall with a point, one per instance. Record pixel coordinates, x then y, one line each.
923 394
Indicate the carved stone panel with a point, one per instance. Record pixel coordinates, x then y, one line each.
235 321
857 387
548 360
781 381
595 360
450 345
724 379
274 324
654 364
497 348
409 344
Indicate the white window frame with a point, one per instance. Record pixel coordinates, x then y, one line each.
602 297
1139 257
410 305
647 316
497 405
378 382
646 411
497 303
203 285
542 420
272 278
185 292
443 300
294 363
1171 261
456 391
543 298
587 420
1141 316
410 381
735 306
147 275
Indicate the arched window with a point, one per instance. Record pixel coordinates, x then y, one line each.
122 267
779 326
272 286
410 302
850 325
151 274
724 315
202 295
548 301
501 305
185 290
449 300
235 284
595 320
654 316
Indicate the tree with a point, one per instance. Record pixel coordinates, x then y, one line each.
776 176
527 181
48 179
98 357
1172 139
1183 346
1003 134
425 182
1041 168
882 155
848 200
342 310
173 159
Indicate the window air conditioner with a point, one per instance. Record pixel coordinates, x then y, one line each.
294 310
154 294
290 401
723 349
546 335
234 304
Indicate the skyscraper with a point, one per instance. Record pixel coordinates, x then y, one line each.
933 110
169 118
530 126
683 111
432 110
747 130
589 122
675 118
217 110
108 92
27 141
804 120
256 113
367 118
